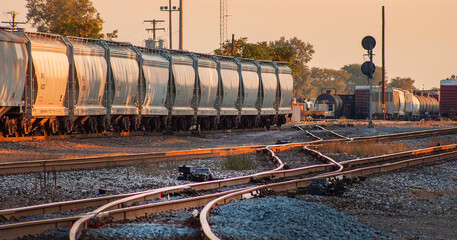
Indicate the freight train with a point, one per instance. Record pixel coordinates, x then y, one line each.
399 104
52 84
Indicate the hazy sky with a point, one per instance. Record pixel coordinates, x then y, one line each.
421 35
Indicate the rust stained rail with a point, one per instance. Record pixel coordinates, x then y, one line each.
119 160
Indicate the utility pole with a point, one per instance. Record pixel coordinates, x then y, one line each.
233 44
169 9
181 25
13 22
154 28
383 96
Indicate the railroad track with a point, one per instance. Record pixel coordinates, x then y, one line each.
119 209
378 164
123 160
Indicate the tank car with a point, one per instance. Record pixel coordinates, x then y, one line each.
412 106
429 107
330 105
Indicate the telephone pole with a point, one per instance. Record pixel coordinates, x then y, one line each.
13 22
181 25
171 9
154 28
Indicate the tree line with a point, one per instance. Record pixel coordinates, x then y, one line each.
80 18
308 82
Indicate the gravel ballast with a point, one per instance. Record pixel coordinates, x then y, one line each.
284 218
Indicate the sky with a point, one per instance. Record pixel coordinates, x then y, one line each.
420 35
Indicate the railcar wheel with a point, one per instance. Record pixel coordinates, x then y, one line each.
93 125
25 127
124 124
54 127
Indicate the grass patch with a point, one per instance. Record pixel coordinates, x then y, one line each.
238 162
365 149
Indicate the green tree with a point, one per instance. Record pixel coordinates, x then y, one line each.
324 78
403 83
226 48
357 78
67 17
294 51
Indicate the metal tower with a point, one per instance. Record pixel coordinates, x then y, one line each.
223 21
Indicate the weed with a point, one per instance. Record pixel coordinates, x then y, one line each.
238 162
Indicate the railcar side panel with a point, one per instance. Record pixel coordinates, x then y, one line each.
155 70
91 72
125 77
251 84
13 66
269 84
286 83
208 75
51 67
230 85
184 82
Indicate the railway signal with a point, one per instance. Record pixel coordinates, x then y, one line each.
368 68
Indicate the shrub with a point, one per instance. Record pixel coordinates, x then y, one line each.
238 162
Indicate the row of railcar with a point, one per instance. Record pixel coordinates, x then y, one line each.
399 104
53 84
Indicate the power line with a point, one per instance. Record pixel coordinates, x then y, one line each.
13 22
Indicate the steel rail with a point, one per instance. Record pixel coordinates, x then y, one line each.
295 184
119 160
334 133
123 160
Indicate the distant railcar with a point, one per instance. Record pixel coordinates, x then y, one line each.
448 98
399 104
